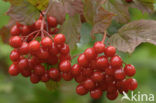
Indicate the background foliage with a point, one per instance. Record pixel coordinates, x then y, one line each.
20 90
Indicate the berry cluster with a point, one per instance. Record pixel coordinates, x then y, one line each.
42 60
42 56
97 72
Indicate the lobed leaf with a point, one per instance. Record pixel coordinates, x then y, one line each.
24 12
119 9
71 29
97 16
59 9
133 34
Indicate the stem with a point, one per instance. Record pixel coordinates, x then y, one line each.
36 35
104 37
48 34
42 27
31 34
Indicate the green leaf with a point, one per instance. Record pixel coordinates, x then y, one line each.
59 9
97 16
39 4
119 9
25 13
71 29
133 34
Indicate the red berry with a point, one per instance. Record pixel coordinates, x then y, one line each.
131 84
15 41
24 49
90 53
52 21
14 55
34 78
81 90
34 46
96 94
89 84
129 70
80 78
13 70
53 49
116 61
54 73
39 70
38 24
42 54
87 72
67 76
119 74
59 39
25 30
112 96
15 31
26 73
75 70
82 60
46 42
99 47
102 62
110 51
109 71
97 76
65 66
45 77
65 49
23 64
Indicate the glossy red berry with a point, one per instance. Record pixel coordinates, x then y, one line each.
46 42
67 76
34 78
129 70
110 51
38 24
90 53
102 62
97 77
65 66
119 74
53 49
112 96
89 84
81 90
23 64
14 55
131 84
34 46
26 73
45 77
15 41
75 70
15 31
52 21
25 30
24 49
116 61
99 47
59 39
13 70
82 60
96 94
54 73
65 49
39 70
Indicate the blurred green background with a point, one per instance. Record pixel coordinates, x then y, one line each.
20 90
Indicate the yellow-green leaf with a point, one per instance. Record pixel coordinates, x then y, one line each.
39 4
